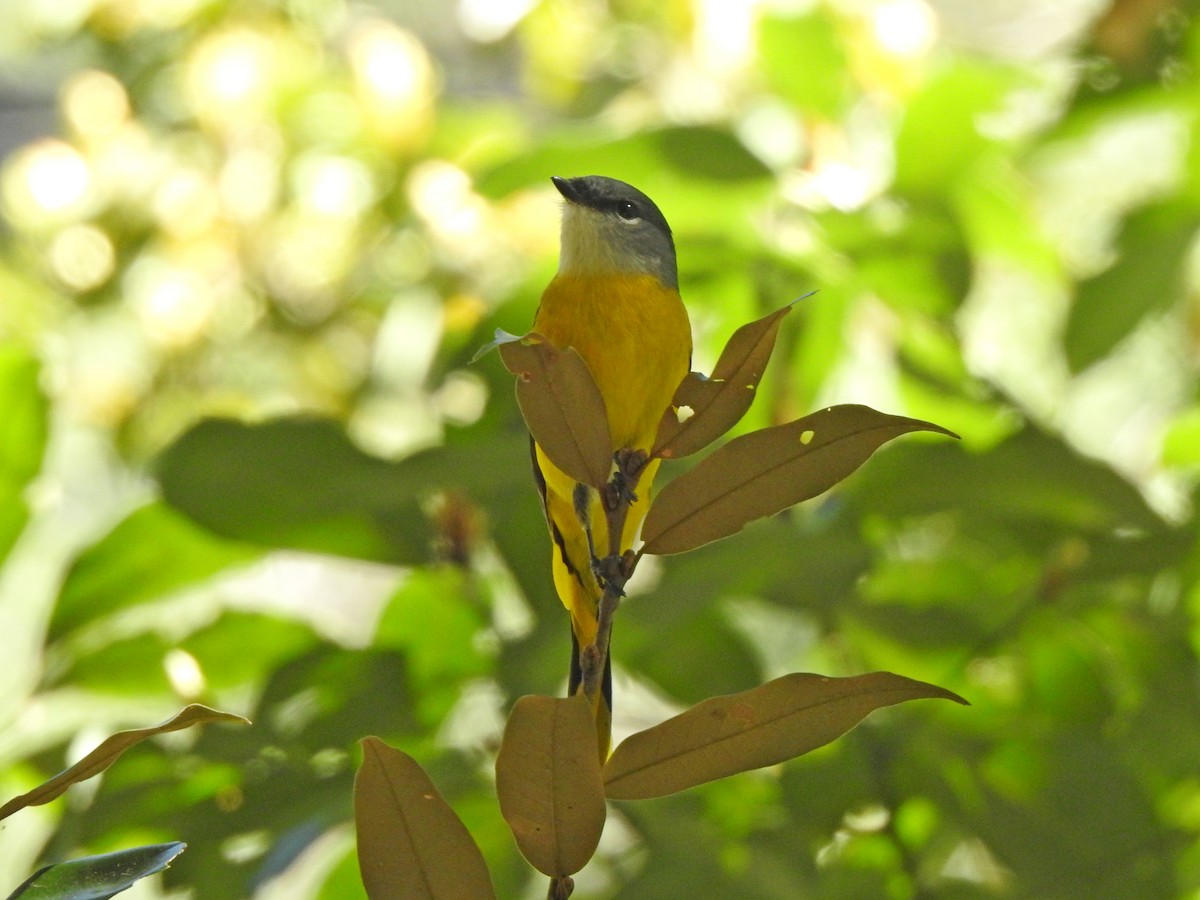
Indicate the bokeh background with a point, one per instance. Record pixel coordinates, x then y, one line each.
248 249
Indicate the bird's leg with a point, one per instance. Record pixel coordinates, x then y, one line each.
607 570
581 499
613 570
619 491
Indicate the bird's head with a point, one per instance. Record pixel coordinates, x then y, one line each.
612 228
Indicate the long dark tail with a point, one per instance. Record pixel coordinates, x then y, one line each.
604 707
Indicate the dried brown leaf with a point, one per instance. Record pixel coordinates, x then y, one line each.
769 724
562 406
109 750
549 785
761 473
411 845
717 402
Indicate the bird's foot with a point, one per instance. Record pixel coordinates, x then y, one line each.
629 468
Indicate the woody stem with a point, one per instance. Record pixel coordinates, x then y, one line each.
615 569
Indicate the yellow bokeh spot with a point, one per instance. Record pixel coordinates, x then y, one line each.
395 81
173 303
332 185
46 180
186 204
82 257
905 28
248 184
229 76
184 672
442 196
95 104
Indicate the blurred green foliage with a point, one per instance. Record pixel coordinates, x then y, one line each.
245 460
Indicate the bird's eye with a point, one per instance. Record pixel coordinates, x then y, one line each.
628 211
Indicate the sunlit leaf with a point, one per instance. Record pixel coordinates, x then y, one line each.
435 620
713 405
110 750
762 473
220 648
562 407
549 785
23 409
1147 276
97 877
769 724
940 136
126 568
824 85
411 845
1181 444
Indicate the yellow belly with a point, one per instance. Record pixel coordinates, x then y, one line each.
634 335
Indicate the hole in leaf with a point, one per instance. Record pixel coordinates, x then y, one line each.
806 436
683 413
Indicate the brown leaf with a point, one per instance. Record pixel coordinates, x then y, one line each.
109 750
411 845
761 473
549 785
562 407
771 723
717 403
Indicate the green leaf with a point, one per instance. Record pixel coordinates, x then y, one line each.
1181 444
1148 276
548 782
23 410
97 877
703 152
220 648
411 845
764 726
998 207
131 666
562 407
940 137
301 483
1031 478
762 473
432 619
823 84
126 567
109 752
702 657
716 403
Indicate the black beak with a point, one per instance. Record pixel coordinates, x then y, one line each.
567 189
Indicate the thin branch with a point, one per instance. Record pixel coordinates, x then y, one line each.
614 570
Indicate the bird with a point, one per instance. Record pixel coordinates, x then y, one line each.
615 300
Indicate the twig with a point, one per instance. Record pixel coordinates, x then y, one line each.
614 570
